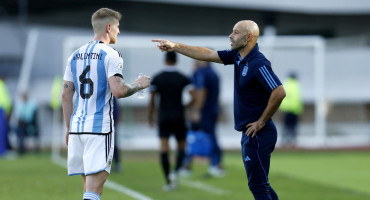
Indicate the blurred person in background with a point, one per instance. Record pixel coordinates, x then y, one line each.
5 112
56 91
3 132
26 110
258 93
204 114
94 73
116 117
292 107
169 85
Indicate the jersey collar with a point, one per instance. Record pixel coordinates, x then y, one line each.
170 69
249 56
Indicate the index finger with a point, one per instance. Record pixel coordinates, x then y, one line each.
157 40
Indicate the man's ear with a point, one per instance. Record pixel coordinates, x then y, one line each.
250 37
108 28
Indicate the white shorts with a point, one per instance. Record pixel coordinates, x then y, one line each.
89 154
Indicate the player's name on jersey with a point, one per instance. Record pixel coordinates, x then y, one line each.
84 56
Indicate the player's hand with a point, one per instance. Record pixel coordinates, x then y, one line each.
254 127
143 81
67 136
195 116
164 45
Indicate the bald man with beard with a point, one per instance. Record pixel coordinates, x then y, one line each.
258 93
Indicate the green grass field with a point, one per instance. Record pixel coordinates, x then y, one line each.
294 175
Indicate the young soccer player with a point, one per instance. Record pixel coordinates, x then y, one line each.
94 73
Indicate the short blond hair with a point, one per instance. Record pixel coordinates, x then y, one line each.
102 17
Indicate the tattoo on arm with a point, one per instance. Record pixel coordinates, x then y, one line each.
131 88
72 87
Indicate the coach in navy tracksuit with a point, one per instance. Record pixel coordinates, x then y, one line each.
257 95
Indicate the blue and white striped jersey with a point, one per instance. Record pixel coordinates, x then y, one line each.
254 81
89 68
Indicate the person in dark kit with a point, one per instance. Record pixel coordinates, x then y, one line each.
116 118
169 85
204 114
258 93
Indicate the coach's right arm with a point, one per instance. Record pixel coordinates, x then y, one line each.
198 53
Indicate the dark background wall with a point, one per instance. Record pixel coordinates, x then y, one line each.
181 19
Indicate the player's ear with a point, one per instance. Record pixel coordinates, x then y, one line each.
108 28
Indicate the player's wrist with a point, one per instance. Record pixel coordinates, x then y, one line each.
139 85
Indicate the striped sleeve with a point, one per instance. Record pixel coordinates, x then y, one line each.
268 78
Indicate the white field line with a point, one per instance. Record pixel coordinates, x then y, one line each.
202 186
112 185
122 189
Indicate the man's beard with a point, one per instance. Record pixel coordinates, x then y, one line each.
238 46
113 40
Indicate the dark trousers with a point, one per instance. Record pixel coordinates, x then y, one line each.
290 128
216 153
24 130
208 124
256 154
116 155
3 132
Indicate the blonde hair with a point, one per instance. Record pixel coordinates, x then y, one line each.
102 17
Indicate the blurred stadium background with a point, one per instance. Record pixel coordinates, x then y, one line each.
334 76
326 42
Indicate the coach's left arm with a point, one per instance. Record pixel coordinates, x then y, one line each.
276 97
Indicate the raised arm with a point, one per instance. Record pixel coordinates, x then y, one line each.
151 108
199 53
120 89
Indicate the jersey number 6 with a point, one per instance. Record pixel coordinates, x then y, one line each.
86 81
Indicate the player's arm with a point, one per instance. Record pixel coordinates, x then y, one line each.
67 104
120 89
199 99
199 53
276 97
151 108
192 98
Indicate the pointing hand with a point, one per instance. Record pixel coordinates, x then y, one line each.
164 45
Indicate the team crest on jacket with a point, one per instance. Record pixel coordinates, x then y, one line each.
245 70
